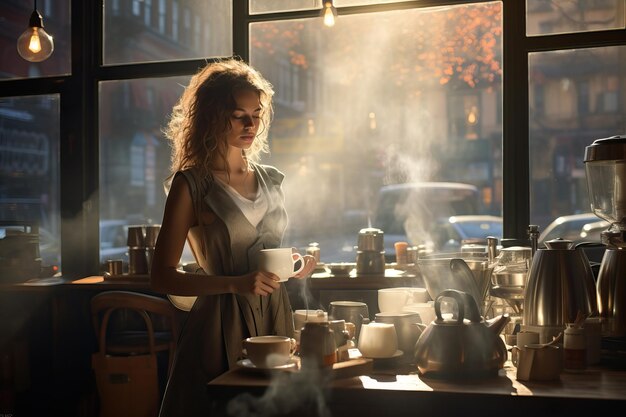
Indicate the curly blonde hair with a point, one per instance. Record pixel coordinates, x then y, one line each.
201 118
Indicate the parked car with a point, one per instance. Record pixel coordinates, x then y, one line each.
570 227
468 228
419 213
591 232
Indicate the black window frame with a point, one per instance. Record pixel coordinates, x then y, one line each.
79 108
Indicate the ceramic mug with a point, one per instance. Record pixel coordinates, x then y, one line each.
351 311
269 351
425 310
392 300
378 340
523 338
537 362
280 262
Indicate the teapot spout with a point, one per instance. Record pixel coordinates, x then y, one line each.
497 324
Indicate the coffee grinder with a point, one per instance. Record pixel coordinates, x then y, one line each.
605 166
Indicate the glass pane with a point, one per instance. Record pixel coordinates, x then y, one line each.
166 30
382 99
14 16
343 3
268 6
576 97
29 170
545 17
134 157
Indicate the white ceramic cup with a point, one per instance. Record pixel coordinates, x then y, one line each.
418 294
392 300
280 262
269 351
425 310
378 340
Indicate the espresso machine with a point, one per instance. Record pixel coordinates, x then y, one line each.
605 167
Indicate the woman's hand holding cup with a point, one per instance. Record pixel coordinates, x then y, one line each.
258 283
282 263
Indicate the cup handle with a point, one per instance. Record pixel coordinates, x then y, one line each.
297 257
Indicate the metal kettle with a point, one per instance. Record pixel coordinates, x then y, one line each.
560 286
467 346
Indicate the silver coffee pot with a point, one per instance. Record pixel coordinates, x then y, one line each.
560 286
605 167
370 254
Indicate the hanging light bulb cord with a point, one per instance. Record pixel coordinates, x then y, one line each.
35 18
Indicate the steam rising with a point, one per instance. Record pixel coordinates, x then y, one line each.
369 131
286 394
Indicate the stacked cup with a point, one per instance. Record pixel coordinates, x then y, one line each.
141 241
137 261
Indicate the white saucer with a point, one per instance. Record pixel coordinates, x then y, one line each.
247 364
395 355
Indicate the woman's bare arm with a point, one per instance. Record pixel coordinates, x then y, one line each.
165 276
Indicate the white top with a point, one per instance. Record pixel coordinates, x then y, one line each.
253 210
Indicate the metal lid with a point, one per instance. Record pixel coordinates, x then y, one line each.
606 149
559 243
370 231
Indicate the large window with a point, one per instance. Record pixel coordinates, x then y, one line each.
368 104
30 171
134 158
545 17
576 96
395 92
161 30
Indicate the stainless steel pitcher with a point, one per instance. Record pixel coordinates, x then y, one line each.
560 285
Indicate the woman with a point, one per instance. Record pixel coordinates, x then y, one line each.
228 207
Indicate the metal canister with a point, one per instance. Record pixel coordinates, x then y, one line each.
317 345
574 348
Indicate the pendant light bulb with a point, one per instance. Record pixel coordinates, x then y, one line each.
34 44
329 13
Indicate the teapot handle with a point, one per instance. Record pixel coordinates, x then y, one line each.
460 301
464 302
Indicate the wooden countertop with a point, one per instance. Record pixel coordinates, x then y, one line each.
96 282
401 391
318 281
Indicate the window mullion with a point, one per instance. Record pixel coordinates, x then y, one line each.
515 131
